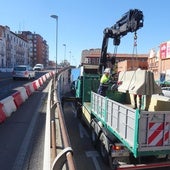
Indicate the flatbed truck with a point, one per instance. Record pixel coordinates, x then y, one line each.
128 136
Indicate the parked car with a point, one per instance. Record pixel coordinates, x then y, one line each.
166 91
23 71
38 67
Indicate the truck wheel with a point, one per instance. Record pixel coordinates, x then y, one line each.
104 148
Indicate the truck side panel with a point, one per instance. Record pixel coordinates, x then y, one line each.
154 131
118 118
136 131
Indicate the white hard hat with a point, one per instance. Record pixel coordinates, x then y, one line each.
107 70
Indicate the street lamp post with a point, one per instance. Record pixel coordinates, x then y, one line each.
56 18
64 52
70 57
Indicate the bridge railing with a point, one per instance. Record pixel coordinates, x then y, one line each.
57 157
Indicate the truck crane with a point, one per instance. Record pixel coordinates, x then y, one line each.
127 137
131 21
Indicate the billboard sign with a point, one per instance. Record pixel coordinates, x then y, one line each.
165 50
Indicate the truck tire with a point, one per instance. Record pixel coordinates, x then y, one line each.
104 148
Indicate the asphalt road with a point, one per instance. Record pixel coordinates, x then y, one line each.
7 84
85 155
22 135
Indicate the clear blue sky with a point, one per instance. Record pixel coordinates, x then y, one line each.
81 23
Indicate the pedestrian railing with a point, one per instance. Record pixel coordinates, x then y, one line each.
59 159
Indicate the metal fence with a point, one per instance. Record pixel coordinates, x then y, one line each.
57 157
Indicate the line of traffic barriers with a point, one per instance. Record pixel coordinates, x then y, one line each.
11 103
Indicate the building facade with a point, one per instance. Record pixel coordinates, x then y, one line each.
13 49
123 61
159 62
39 49
23 47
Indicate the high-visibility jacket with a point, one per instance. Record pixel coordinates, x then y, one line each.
104 84
104 80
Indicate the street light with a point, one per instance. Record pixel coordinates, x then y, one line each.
56 18
70 57
64 52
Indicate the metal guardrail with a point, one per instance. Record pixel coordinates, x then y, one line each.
54 109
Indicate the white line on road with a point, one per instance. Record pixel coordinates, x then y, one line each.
73 110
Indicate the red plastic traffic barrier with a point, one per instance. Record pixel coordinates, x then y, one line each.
47 76
44 78
2 114
28 90
40 81
35 85
17 99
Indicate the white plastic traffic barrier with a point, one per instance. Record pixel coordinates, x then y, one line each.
47 75
29 88
44 78
40 81
36 84
17 99
9 105
23 93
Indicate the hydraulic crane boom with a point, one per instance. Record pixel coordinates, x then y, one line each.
131 21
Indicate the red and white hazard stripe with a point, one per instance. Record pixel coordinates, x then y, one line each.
158 134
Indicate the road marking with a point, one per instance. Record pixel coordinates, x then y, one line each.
83 132
93 155
73 110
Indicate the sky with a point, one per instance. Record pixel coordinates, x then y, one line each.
81 24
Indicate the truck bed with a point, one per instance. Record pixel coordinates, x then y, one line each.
143 133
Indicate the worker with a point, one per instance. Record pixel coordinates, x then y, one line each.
104 82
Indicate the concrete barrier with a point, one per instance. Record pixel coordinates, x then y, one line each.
138 82
126 78
9 105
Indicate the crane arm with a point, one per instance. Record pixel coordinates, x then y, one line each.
131 21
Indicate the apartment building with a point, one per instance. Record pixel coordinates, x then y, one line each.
159 62
39 49
23 47
13 49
